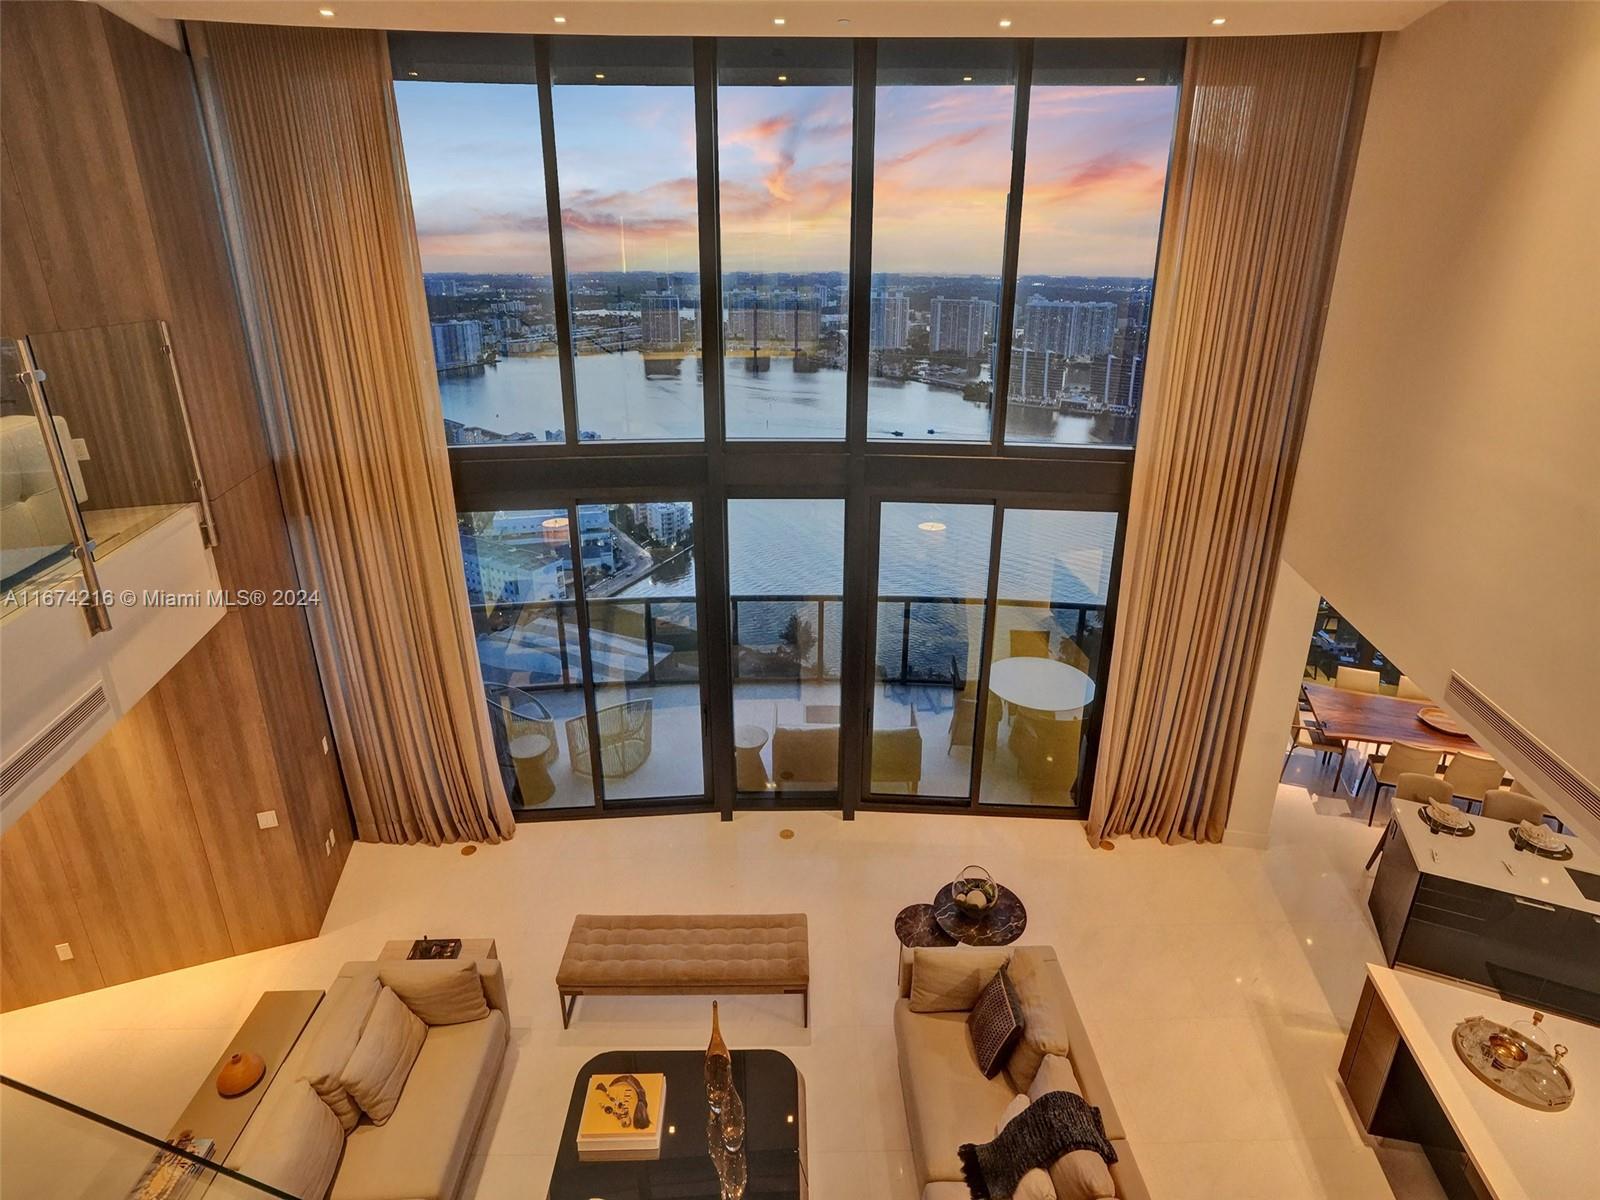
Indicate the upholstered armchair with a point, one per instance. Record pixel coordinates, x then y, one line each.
625 731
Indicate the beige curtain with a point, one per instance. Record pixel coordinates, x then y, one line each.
316 197
1265 126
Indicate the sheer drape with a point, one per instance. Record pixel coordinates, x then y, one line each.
1250 222
317 201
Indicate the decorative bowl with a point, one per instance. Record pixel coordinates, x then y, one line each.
974 890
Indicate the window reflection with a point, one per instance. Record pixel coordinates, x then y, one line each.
484 239
943 166
625 157
785 125
1098 142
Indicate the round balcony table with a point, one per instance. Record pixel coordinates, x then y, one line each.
1041 685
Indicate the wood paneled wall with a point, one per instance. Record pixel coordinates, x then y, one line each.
147 855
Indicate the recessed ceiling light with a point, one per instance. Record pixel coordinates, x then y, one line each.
327 12
1005 22
559 20
843 21
1138 78
413 74
778 21
966 79
599 74
783 79
1219 20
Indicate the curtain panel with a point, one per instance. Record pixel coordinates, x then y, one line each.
313 184
1266 131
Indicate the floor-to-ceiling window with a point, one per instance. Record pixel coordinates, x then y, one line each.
719 551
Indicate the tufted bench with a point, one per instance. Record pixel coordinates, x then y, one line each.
697 955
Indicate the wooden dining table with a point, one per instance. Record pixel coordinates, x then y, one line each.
1348 716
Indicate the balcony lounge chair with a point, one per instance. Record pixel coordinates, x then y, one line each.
624 739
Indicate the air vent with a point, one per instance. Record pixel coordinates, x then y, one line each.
1530 759
51 741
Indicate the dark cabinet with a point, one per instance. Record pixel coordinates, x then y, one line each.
1537 953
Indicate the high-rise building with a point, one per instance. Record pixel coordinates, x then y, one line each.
457 344
891 320
661 320
775 318
669 522
1037 377
959 325
1076 328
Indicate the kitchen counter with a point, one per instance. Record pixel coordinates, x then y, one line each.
1489 859
1402 1032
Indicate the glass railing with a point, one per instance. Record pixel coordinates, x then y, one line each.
37 540
97 450
51 1149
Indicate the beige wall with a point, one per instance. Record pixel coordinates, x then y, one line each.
1448 496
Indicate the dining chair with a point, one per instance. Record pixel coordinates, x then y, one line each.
1409 691
1502 804
1030 643
1357 679
1403 759
1419 788
1471 775
1306 734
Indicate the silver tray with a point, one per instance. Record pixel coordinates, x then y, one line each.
1523 1071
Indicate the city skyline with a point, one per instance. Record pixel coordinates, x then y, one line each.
1096 170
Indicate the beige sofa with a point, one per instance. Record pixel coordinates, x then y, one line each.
948 1101
421 1152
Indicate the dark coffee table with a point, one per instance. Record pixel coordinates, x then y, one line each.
775 1113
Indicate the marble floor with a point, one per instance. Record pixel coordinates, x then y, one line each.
1218 982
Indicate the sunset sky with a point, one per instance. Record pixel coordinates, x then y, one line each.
1096 167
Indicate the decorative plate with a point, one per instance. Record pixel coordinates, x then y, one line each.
1440 720
1522 841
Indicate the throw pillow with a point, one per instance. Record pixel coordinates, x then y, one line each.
1041 992
994 1024
441 994
1035 1185
948 979
384 1056
294 1142
340 1018
1083 1174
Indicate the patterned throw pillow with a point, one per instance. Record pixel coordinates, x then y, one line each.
995 1023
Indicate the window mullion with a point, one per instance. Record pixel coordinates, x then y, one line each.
561 293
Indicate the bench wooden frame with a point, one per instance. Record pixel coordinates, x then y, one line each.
569 996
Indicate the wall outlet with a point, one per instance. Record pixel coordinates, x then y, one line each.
64 951
324 744
268 819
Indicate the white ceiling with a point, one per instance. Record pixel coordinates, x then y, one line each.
817 18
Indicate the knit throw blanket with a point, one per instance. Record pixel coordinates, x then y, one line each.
1056 1123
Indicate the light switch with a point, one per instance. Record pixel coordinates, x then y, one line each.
268 819
64 951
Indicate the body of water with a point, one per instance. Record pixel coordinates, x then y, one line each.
618 402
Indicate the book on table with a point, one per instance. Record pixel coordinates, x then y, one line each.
623 1116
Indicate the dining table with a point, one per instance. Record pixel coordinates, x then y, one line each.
1349 716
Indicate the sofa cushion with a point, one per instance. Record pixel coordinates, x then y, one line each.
994 1024
421 1153
1055 1074
1041 991
1035 1185
294 1142
440 993
383 1058
340 1019
948 1101
949 978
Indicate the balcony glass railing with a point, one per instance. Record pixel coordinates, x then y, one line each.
51 1149
96 449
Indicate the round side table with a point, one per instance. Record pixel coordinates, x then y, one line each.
1002 923
916 926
